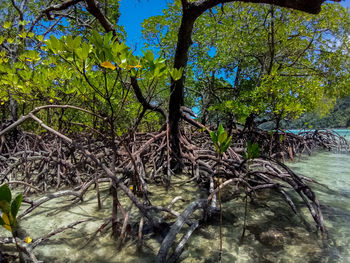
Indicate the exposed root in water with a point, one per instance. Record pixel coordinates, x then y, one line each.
52 161
175 229
39 240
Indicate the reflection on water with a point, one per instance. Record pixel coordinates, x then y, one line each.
274 233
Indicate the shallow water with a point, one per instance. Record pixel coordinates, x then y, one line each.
332 170
342 132
274 233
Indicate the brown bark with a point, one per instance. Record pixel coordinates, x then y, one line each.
145 104
191 11
177 87
92 8
63 6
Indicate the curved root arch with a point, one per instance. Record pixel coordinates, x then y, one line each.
54 160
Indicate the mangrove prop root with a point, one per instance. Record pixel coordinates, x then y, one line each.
176 227
39 240
55 160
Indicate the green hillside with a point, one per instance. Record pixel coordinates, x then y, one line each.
339 117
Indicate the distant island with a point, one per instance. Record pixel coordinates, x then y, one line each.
339 117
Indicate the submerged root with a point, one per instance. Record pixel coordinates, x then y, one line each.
53 161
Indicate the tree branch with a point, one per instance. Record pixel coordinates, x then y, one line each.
21 16
93 9
60 7
146 105
310 6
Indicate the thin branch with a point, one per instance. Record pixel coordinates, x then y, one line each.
63 6
31 115
21 16
143 101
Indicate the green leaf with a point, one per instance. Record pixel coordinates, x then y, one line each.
76 42
119 49
281 138
148 55
22 23
222 137
133 72
225 145
70 42
96 39
7 25
54 44
4 206
79 53
107 39
253 151
70 90
16 204
156 71
85 50
32 55
22 35
132 60
214 137
2 222
40 38
220 130
217 148
176 74
5 193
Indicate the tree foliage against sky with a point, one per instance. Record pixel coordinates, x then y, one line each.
65 66
248 59
245 60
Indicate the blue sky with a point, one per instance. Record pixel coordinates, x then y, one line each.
133 12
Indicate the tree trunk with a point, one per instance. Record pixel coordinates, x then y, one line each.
13 109
205 115
191 11
177 87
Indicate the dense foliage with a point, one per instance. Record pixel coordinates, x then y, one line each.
263 61
246 60
100 114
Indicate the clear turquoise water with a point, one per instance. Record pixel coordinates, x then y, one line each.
269 214
342 132
297 239
332 170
